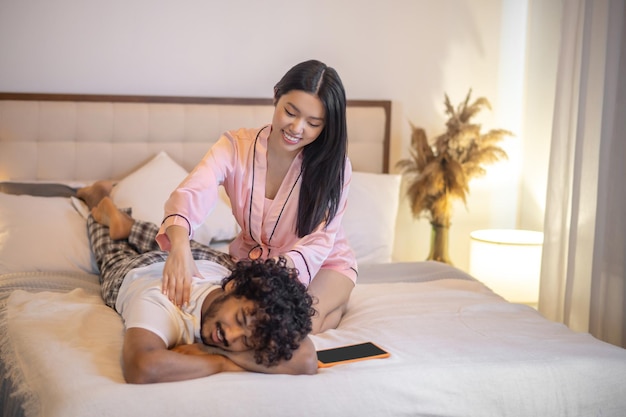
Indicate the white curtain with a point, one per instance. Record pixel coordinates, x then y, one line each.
584 257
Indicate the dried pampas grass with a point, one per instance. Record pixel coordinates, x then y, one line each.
440 172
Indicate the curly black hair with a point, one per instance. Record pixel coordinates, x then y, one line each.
282 318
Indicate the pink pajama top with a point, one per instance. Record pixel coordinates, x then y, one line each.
238 160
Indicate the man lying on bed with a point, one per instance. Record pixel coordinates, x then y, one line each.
257 320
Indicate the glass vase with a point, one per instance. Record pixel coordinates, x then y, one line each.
439 244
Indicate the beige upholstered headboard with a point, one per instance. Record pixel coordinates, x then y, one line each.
86 137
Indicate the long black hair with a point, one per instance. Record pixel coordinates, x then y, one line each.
324 159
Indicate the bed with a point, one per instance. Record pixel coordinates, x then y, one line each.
457 348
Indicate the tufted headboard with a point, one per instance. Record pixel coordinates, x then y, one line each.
84 137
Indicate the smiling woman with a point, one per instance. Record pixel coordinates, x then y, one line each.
298 121
288 185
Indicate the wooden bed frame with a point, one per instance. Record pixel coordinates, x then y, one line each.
86 137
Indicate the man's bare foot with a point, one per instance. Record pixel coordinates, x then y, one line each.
119 222
94 193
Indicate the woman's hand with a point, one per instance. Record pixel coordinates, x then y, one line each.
179 267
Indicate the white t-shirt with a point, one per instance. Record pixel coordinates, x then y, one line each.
142 304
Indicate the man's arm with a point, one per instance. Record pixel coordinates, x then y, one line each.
303 361
146 359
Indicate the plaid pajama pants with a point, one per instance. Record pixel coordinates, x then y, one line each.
115 258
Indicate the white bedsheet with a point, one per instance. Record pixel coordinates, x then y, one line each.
456 350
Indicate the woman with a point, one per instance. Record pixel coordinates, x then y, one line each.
288 185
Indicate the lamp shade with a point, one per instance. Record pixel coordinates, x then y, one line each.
508 261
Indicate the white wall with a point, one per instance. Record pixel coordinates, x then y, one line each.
409 51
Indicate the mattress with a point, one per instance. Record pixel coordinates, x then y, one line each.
457 349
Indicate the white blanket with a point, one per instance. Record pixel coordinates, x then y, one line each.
456 350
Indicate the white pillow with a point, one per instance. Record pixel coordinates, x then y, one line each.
370 218
146 190
42 233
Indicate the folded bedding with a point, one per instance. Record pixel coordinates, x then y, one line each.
37 189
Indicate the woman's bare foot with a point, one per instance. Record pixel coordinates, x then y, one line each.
119 222
94 193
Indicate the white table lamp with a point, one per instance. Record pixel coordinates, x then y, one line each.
508 261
